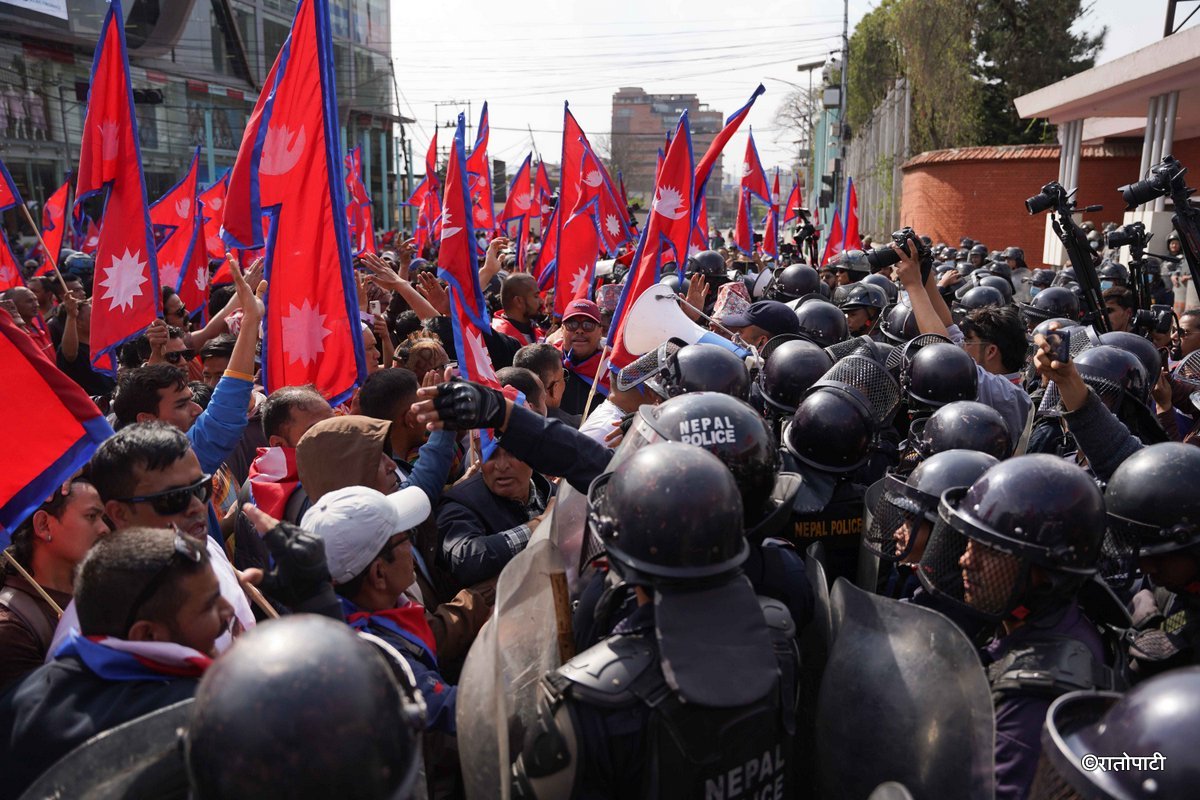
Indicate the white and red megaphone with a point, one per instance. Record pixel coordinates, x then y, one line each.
656 317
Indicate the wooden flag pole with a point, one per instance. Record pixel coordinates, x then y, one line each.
52 256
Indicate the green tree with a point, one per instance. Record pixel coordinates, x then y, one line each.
874 62
1022 46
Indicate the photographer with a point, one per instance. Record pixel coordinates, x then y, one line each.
1121 306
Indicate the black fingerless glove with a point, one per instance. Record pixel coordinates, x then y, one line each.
300 578
462 405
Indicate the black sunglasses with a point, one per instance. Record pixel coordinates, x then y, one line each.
180 355
182 312
187 551
170 502
575 324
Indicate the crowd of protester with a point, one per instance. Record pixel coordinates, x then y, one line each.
1011 479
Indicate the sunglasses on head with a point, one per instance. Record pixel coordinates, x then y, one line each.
176 500
180 356
186 551
587 325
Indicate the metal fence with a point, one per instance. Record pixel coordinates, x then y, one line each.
873 161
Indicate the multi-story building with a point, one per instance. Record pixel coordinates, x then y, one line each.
197 67
640 124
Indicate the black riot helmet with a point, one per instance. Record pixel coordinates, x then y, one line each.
885 283
654 531
1054 323
1152 499
904 505
256 709
1051 302
725 426
1015 254
821 322
977 250
962 425
794 282
860 295
980 297
938 374
1000 284
1034 510
704 368
1113 272
1141 347
708 263
966 243
678 285
831 431
1152 732
1114 374
790 371
853 261
899 323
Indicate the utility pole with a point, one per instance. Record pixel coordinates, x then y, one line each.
844 104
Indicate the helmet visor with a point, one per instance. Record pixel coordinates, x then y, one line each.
641 434
966 572
898 527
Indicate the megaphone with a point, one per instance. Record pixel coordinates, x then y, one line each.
656 317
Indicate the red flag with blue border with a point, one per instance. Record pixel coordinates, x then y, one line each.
54 227
289 168
68 427
182 255
10 268
358 209
126 298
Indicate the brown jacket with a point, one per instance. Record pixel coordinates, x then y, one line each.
27 624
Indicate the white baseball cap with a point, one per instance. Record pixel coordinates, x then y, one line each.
356 522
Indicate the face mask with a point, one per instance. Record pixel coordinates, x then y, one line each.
1033 290
1105 285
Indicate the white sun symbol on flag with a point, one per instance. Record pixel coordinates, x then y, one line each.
123 280
480 214
201 277
304 333
612 225
168 275
522 202
7 274
281 150
577 282
215 203
593 178
669 202
746 169
447 226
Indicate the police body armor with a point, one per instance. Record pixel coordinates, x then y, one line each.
692 751
1048 666
827 509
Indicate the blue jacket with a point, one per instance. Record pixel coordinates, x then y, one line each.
218 429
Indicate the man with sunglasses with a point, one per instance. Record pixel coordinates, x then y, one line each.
150 612
582 333
148 475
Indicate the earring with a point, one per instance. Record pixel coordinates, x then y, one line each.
48 538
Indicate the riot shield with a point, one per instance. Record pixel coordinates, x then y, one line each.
904 685
497 692
814 563
140 760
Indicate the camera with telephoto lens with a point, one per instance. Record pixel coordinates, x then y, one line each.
1052 195
882 257
1149 321
1133 236
1162 181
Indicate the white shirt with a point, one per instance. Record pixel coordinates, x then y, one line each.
599 423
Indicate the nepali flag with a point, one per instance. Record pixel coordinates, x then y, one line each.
124 660
358 210
428 184
54 227
10 268
89 236
852 240
613 224
543 195
126 297
289 168
545 271
836 241
519 208
458 266
428 218
711 156
770 243
794 203
182 254
668 227
580 241
754 184
699 240
212 201
625 199
479 179
69 427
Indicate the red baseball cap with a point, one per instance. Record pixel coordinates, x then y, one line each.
582 308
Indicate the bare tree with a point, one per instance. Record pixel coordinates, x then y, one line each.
794 120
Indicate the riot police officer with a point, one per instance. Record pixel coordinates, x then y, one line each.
693 694
1014 549
851 266
792 283
792 367
862 303
711 266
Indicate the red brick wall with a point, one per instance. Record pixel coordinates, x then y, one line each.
949 195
